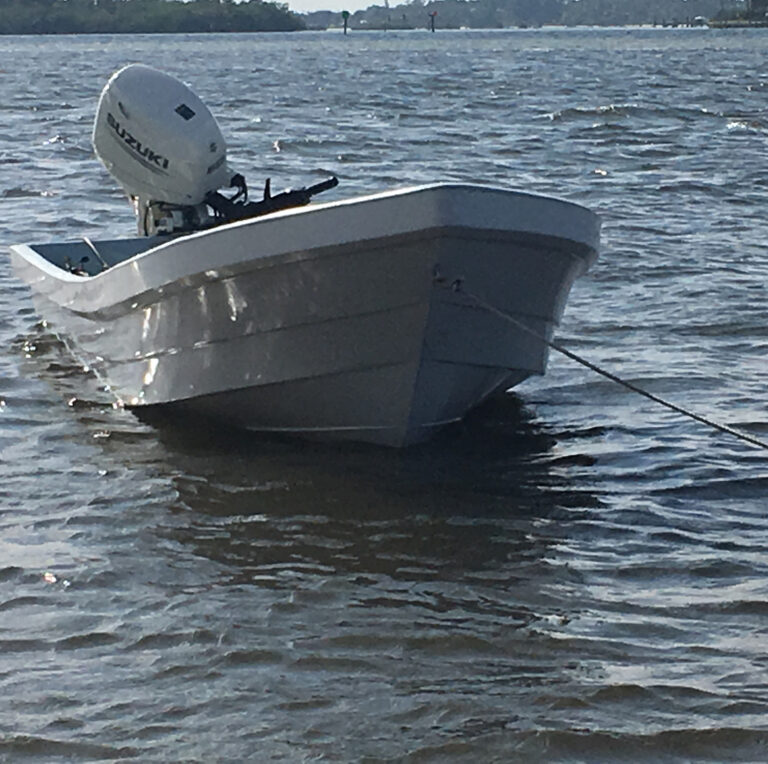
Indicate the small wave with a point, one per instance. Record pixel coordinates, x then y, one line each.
310 704
80 641
22 646
688 186
751 125
28 745
710 744
610 110
252 657
663 693
175 639
733 608
17 602
725 489
52 106
10 573
24 193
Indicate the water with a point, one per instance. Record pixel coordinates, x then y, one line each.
575 575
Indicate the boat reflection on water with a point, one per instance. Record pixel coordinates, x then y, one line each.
271 507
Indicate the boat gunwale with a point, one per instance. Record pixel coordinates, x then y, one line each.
173 242
581 251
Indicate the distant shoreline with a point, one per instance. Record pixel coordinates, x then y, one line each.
153 17
731 24
118 17
92 33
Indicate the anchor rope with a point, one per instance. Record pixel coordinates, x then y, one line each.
459 289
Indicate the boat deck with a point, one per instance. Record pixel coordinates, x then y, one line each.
78 257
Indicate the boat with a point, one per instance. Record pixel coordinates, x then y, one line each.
363 319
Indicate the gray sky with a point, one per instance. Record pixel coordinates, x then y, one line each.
305 6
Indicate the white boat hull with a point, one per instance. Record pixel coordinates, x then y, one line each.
336 320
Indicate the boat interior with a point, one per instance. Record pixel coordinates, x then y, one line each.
89 258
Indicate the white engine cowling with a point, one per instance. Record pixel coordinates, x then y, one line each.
158 139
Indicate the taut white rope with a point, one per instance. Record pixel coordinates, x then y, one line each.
457 287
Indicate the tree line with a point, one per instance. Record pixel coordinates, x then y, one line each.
532 13
144 16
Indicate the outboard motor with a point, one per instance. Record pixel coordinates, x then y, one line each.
162 144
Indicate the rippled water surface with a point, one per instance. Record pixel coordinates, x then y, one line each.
575 575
